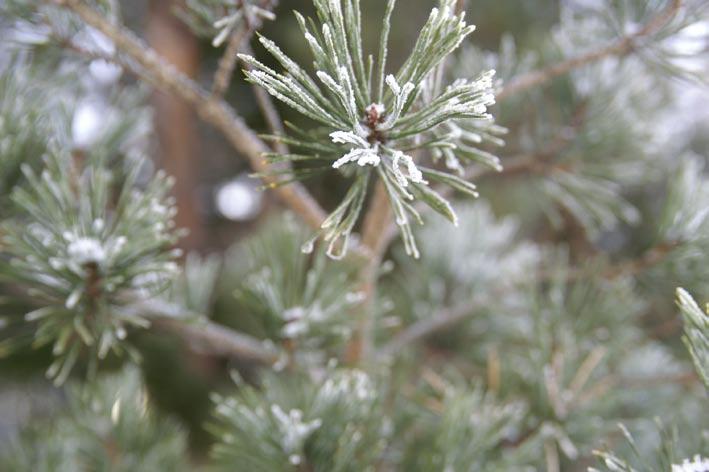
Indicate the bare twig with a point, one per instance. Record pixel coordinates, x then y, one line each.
227 64
543 161
161 74
238 40
651 258
620 47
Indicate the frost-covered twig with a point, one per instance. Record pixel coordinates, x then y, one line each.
227 63
219 340
204 336
159 73
620 47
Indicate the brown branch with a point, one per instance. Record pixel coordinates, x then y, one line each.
375 223
620 47
375 242
205 337
630 268
215 339
161 74
237 40
545 160
227 64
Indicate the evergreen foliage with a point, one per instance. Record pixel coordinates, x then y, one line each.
107 425
73 255
333 424
696 329
373 119
289 296
521 338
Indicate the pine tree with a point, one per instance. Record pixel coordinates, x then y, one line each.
535 332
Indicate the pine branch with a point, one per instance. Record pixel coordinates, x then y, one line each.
155 70
426 327
459 313
218 340
620 47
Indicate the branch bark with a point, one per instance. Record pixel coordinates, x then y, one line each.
375 240
219 340
154 69
237 41
621 47
205 337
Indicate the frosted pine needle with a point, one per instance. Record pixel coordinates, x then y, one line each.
387 124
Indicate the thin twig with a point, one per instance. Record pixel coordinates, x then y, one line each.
161 74
426 327
459 313
237 41
620 47
543 161
227 64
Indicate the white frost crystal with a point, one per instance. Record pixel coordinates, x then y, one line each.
355 382
294 431
363 154
413 174
86 250
87 124
402 95
697 464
